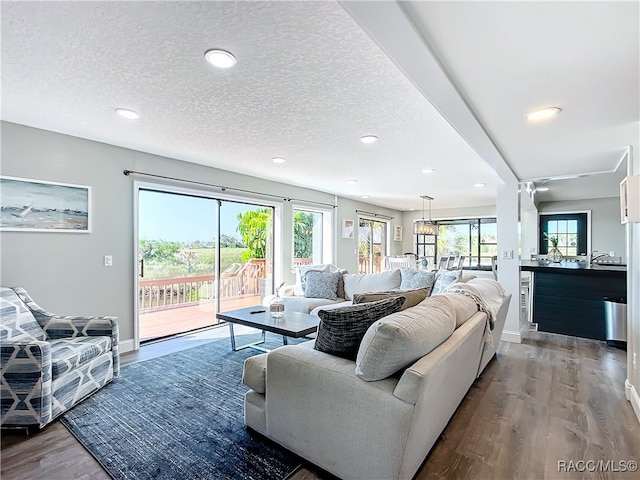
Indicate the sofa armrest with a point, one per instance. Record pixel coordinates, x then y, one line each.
26 374
69 326
314 398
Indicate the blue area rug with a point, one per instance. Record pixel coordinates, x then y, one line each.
178 417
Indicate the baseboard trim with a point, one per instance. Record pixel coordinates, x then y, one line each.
509 336
126 346
632 395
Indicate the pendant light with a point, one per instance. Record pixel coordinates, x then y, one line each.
425 227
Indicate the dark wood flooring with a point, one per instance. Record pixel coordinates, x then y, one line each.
550 399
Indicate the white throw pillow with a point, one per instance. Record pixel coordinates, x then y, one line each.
398 340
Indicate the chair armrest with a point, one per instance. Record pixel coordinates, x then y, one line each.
69 326
26 374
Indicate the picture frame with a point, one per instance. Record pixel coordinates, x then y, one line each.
348 228
29 205
397 233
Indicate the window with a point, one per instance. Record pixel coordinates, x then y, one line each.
311 237
476 239
569 228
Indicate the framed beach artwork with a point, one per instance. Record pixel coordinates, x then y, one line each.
397 233
347 228
40 206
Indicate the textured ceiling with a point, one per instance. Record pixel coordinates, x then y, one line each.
309 82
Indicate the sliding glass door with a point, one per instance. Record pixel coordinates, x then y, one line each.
198 255
372 245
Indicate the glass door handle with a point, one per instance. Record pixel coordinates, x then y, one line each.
141 262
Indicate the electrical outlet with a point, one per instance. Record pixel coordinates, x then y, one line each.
612 253
108 260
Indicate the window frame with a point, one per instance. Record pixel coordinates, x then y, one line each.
327 233
585 216
422 241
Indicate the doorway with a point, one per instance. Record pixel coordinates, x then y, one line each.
198 255
372 245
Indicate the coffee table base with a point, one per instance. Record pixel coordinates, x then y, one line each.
255 345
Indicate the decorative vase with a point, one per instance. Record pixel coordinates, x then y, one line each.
424 262
554 255
276 307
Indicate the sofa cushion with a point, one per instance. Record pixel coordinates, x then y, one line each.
464 306
307 305
341 330
371 282
412 297
414 278
18 323
398 340
444 278
70 353
254 372
321 284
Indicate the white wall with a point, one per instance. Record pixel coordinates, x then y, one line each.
632 386
63 272
607 233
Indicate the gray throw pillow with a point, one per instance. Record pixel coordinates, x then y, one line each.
321 284
341 330
413 278
412 297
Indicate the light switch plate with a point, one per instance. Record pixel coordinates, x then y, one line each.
108 260
507 254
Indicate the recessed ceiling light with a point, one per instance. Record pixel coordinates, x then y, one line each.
220 58
428 170
278 160
352 181
542 189
368 139
479 185
126 113
365 196
542 113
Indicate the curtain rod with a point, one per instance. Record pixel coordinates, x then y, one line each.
387 217
224 188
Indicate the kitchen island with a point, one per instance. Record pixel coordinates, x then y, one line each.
568 297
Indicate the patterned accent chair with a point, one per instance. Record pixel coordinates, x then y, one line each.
49 363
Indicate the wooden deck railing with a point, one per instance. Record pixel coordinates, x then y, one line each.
183 291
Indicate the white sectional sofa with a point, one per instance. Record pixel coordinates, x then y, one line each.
352 284
341 416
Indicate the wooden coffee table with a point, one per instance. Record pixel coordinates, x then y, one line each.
293 324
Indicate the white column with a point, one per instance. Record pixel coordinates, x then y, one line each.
507 207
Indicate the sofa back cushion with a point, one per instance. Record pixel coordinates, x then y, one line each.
398 340
17 321
371 282
341 330
411 297
464 306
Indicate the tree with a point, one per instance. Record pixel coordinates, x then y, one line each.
303 234
253 226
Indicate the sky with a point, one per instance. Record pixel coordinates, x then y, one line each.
181 218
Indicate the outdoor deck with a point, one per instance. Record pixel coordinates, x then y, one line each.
179 319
